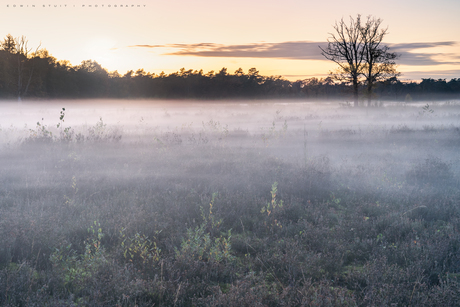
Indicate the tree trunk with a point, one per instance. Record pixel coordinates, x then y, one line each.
355 91
370 84
19 77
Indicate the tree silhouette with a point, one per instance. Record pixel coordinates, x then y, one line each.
379 62
9 44
346 49
357 49
38 74
92 79
20 63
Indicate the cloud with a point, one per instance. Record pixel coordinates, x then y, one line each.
409 55
300 50
305 50
412 46
176 46
440 74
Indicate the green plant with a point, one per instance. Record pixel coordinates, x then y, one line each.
272 206
334 199
67 134
68 200
198 245
210 217
40 133
139 248
272 133
43 133
75 269
61 118
93 249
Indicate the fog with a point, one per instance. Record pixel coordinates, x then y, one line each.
186 196
240 114
123 140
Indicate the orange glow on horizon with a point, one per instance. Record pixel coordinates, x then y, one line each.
105 34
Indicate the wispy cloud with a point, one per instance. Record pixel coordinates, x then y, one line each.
409 55
439 74
305 50
301 50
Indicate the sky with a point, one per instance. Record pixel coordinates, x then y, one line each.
276 37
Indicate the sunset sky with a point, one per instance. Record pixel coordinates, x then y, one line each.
276 37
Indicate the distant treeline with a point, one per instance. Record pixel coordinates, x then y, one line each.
39 75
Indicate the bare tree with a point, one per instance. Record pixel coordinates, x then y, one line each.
379 61
346 48
357 49
24 57
18 48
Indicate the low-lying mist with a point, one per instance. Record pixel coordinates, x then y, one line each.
393 138
198 202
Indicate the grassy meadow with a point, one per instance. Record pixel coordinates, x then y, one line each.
238 203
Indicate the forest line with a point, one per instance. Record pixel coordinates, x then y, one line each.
25 73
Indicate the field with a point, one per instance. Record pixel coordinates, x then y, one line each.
235 203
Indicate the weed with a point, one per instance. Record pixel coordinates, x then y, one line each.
139 248
273 207
199 246
272 133
75 270
40 134
202 245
